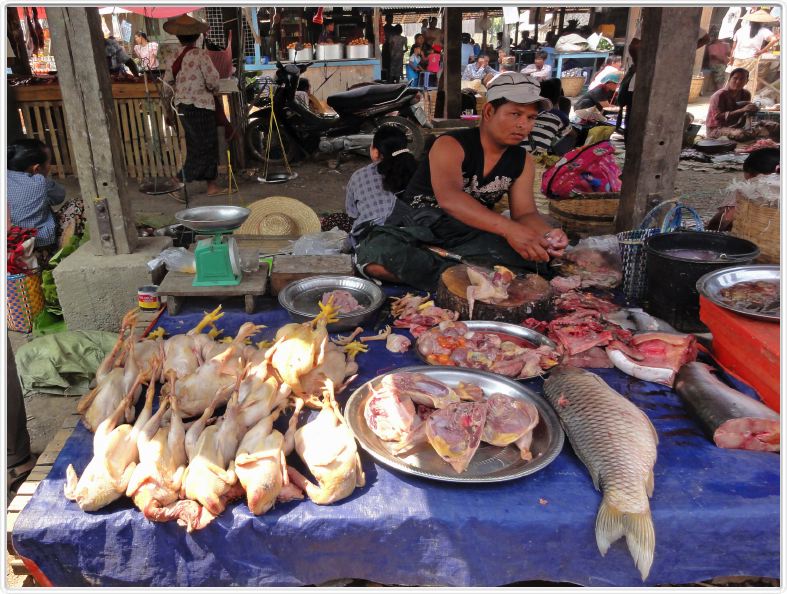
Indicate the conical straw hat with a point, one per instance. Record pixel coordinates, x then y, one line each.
760 16
280 215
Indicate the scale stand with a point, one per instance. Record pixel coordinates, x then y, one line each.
216 259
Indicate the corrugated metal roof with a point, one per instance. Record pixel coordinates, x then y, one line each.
404 15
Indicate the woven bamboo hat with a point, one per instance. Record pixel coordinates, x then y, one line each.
280 215
760 16
185 25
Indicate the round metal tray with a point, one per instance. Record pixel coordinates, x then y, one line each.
490 464
711 284
301 297
500 328
213 219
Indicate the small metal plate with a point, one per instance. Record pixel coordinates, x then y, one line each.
490 464
300 299
711 284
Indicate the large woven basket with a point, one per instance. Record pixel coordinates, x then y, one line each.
572 85
587 214
24 300
759 224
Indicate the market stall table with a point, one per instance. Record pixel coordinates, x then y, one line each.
557 59
716 513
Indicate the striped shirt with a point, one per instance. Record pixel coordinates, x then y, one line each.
30 198
548 128
366 200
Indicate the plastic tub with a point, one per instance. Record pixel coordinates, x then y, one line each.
671 292
330 51
358 52
302 55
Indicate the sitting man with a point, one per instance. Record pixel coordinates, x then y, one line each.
539 69
450 198
551 125
479 69
728 110
589 108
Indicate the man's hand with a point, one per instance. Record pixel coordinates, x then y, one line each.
557 240
528 243
749 108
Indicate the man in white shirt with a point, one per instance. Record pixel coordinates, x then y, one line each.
612 66
539 69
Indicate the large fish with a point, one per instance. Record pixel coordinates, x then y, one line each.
617 443
729 418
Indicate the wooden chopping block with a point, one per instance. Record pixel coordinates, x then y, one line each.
290 268
528 296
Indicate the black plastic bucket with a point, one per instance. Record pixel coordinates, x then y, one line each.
672 277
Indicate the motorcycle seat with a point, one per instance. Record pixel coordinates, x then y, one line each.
364 96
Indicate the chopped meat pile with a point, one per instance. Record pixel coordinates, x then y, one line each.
342 300
418 314
452 343
410 410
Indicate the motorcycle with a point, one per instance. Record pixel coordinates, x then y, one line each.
360 112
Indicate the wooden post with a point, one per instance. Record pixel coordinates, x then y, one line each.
17 40
655 124
376 29
452 63
562 18
707 12
538 18
83 73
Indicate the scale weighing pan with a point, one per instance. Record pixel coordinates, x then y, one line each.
277 178
159 185
213 219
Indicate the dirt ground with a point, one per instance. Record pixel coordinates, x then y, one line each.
321 185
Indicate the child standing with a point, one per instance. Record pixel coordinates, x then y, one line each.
433 64
414 66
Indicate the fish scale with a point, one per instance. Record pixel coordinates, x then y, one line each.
617 443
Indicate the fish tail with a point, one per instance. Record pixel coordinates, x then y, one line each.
611 524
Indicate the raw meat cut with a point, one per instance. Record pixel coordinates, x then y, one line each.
510 420
455 432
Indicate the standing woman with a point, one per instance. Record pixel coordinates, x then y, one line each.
146 51
398 45
747 45
195 81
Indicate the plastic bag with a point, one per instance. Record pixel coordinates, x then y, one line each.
325 243
571 43
175 259
596 260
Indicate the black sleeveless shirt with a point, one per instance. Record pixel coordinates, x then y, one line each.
487 190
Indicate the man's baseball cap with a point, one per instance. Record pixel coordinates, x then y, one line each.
517 87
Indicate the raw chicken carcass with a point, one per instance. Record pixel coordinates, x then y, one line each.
455 432
487 286
262 468
115 357
333 364
182 352
115 456
510 420
327 447
155 482
210 477
197 390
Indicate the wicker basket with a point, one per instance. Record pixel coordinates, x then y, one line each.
586 215
759 224
24 300
572 85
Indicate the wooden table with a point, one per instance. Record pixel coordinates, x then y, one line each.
177 286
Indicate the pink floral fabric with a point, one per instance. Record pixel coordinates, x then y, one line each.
197 80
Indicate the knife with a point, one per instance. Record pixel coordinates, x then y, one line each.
443 253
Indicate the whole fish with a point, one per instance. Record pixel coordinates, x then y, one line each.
617 443
731 419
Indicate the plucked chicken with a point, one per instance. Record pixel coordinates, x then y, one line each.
455 432
115 457
182 352
327 447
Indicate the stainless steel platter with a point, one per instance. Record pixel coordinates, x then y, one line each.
711 285
490 464
300 299
213 219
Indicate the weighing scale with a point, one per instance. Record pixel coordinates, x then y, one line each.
216 259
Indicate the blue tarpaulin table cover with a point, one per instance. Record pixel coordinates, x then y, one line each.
715 511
